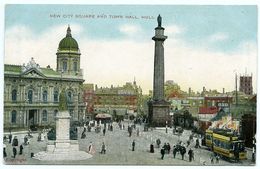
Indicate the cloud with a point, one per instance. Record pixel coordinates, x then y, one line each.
21 43
174 30
130 30
119 61
218 37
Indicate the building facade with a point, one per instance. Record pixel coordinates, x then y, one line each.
245 84
121 101
31 92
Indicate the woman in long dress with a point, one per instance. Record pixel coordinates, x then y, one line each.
91 149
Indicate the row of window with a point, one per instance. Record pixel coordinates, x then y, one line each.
44 96
44 116
65 66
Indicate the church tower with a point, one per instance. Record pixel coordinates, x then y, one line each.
68 56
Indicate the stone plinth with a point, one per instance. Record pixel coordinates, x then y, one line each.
63 148
159 113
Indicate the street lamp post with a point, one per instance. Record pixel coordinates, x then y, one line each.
166 127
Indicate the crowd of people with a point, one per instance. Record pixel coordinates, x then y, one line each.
16 144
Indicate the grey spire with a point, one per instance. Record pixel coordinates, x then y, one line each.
68 32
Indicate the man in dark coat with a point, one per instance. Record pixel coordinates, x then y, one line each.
15 141
10 138
133 145
190 153
162 153
21 149
14 152
174 151
104 131
5 155
183 151
151 148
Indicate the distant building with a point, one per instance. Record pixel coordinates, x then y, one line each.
117 100
245 84
89 98
207 113
221 102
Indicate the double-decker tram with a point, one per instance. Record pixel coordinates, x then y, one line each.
226 144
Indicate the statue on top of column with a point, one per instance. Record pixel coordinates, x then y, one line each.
159 20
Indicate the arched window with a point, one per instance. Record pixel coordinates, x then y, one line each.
30 96
56 96
55 113
14 95
64 66
69 97
44 115
13 116
45 96
75 66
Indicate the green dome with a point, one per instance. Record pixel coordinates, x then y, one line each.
68 43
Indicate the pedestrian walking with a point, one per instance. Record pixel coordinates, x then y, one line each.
197 144
158 142
162 153
83 135
21 149
4 151
15 141
183 151
133 145
168 148
212 159
14 152
165 148
90 146
190 153
137 131
151 148
10 137
174 151
104 131
91 149
103 148
188 143
217 159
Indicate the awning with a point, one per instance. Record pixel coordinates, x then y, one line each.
103 116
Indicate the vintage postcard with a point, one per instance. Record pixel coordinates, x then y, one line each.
130 84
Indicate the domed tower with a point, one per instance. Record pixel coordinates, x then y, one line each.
68 55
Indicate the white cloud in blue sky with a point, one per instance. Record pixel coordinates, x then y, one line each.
205 43
218 37
130 30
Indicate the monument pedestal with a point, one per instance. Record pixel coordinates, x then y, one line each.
63 148
159 113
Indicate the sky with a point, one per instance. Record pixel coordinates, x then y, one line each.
206 45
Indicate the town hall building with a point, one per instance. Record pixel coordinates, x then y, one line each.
31 92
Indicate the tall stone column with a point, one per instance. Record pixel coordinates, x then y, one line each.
158 78
158 113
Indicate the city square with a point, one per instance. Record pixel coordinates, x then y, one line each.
145 91
119 149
